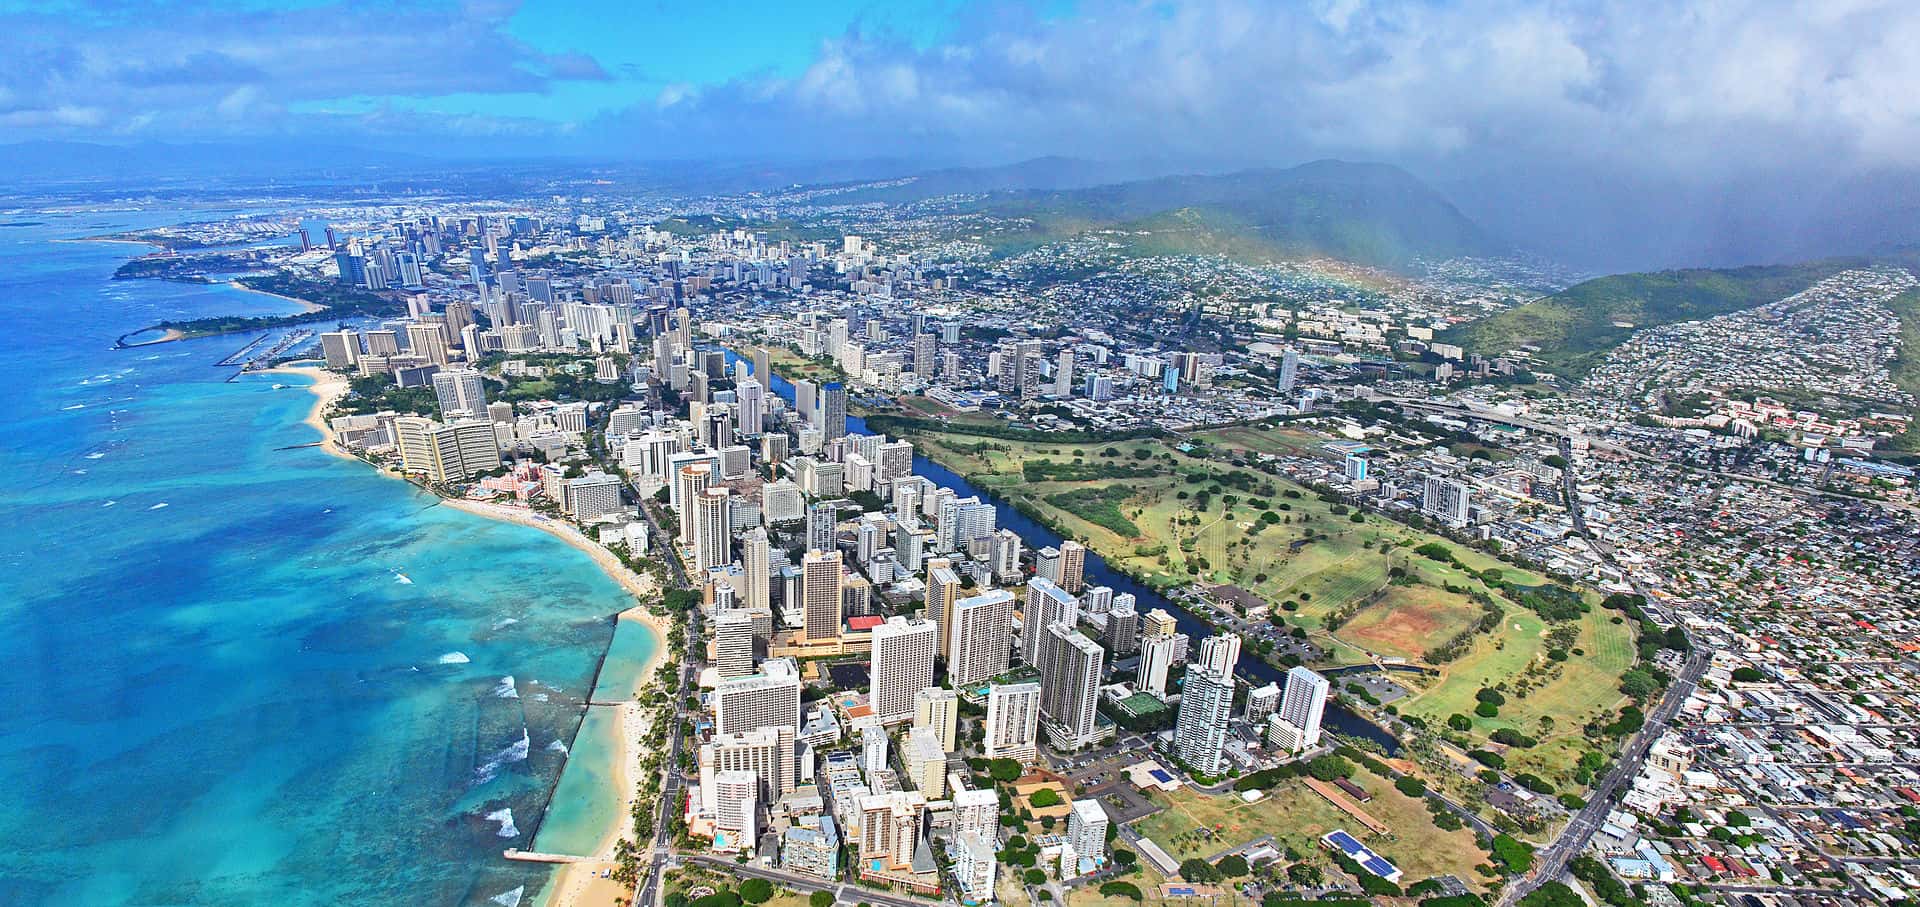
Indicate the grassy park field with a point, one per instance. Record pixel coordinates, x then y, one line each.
1136 502
1358 584
1199 825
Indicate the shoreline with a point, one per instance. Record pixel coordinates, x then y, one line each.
306 307
575 884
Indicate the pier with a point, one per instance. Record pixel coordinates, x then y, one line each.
239 356
534 856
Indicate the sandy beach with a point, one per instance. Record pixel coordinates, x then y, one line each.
305 306
577 884
586 884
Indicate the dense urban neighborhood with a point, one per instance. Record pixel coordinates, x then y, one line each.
1095 573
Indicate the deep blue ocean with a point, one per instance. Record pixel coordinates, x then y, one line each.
240 674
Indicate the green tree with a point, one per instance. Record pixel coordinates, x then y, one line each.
1552 894
820 899
1514 855
1194 869
756 891
1327 768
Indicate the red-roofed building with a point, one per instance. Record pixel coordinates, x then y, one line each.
866 623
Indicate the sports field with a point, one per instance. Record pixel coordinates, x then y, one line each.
1200 825
1408 619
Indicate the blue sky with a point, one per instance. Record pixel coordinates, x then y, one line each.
1655 86
650 46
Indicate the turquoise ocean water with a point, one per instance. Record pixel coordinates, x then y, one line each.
237 674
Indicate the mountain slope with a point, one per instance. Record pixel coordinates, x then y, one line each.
1371 214
1575 328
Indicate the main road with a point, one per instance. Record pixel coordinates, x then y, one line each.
670 791
1550 863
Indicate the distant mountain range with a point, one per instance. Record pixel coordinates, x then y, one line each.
1371 214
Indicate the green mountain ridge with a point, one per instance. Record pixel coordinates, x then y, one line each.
1576 328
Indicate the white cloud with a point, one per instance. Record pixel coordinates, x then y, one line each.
1674 86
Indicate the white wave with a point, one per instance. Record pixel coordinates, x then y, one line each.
510 898
557 747
73 407
79 472
402 578
516 751
505 818
96 455
505 688
454 658
505 622
158 506
109 503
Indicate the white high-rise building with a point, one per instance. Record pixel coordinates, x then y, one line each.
781 501
341 349
926 762
755 561
733 643
1447 501
1221 652
820 588
938 710
901 666
1004 557
688 483
1156 656
460 393
1289 370
890 829
974 870
1301 707
976 812
1073 566
1123 627
737 811
979 640
1200 734
1047 603
1070 685
751 412
943 589
713 539
1013 721
446 453
769 753
821 520
1261 702
874 745
770 698
1087 830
